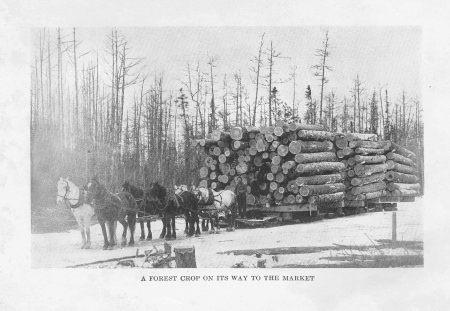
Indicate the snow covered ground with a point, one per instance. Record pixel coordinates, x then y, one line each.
315 242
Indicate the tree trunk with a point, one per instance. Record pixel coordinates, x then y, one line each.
404 152
370 144
370 159
315 135
365 170
400 159
402 168
327 198
309 190
401 178
316 146
369 151
399 186
359 181
377 186
319 168
316 157
309 127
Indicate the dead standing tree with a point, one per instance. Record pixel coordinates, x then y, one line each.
257 60
322 68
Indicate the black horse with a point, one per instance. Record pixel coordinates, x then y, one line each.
111 208
172 205
146 207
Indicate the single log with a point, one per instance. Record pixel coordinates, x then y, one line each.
374 195
222 158
351 173
289 165
315 157
278 196
185 257
270 176
251 199
242 168
319 168
398 186
351 197
401 168
370 144
347 151
276 160
204 172
362 150
377 186
315 135
321 189
206 142
401 178
269 138
258 160
341 142
319 179
340 154
295 147
270 130
282 150
300 126
209 161
359 181
400 159
278 131
273 186
203 183
316 146
280 177
359 136
349 162
238 133
265 155
329 198
275 169
370 159
404 193
290 199
404 152
299 198
365 170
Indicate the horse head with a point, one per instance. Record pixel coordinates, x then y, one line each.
157 192
63 187
92 188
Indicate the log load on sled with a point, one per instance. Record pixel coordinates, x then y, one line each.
302 167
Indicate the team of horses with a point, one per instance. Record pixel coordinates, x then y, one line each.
134 203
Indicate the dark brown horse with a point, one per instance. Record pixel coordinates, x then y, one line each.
172 205
146 207
111 208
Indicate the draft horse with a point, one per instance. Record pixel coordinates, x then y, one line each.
74 198
172 205
111 208
194 215
146 207
220 201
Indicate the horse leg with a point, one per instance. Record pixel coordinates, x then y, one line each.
163 232
149 227
132 224
112 234
186 229
168 228
216 223
105 236
87 226
197 221
142 237
174 233
124 233
83 237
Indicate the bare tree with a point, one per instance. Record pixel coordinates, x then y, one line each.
259 63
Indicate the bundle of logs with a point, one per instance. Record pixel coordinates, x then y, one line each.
282 164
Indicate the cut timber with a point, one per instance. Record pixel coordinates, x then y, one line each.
316 146
329 198
398 186
400 159
295 147
347 151
241 168
237 144
401 178
218 135
319 179
354 197
340 154
377 186
300 126
354 203
282 150
404 152
369 150
365 170
238 133
359 181
309 190
401 168
185 257
315 135
341 142
358 136
405 193
370 159
251 200
370 144
319 168
315 157
204 172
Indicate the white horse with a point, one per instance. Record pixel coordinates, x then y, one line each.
74 198
222 202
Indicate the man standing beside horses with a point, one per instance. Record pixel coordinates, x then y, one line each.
241 193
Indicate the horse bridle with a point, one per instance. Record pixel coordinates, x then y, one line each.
67 192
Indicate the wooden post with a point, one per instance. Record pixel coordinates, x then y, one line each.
185 257
394 227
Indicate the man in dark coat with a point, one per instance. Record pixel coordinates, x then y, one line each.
241 194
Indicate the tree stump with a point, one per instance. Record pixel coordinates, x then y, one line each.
185 257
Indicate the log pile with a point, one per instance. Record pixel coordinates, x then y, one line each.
305 164
365 166
402 175
281 164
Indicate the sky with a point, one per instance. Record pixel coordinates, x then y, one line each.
381 56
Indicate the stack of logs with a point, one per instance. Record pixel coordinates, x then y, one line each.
365 166
282 164
401 177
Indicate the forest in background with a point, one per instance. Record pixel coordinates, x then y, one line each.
103 113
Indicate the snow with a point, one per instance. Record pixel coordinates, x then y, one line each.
59 250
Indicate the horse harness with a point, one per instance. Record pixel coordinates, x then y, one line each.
80 198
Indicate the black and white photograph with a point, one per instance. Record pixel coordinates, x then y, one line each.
179 149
